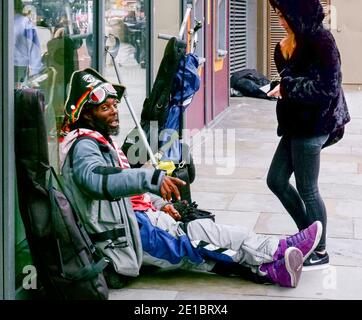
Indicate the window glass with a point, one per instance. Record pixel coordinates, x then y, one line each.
221 29
199 15
50 43
126 30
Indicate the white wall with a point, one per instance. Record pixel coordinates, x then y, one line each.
347 29
166 19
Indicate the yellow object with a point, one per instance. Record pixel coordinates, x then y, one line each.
218 64
168 166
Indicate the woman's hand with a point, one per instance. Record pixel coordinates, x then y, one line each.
170 210
275 92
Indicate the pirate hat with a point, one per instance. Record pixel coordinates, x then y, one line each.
82 83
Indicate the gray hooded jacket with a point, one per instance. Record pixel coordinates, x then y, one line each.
99 188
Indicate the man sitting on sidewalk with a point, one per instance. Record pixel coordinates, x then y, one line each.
130 224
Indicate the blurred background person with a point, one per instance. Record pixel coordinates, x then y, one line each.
27 53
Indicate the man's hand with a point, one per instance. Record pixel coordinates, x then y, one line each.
169 187
170 210
275 92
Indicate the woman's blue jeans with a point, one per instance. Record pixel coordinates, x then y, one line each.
300 156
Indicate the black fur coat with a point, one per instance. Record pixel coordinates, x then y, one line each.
313 101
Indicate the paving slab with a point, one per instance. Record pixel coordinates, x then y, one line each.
345 252
282 224
237 218
231 185
144 294
213 200
343 208
275 223
195 282
357 226
243 199
256 203
341 191
342 283
223 296
239 173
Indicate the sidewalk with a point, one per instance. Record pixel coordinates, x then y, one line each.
244 199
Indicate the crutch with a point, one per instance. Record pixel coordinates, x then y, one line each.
113 53
193 33
192 43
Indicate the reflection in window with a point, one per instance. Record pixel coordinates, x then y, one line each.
199 15
127 21
49 45
221 29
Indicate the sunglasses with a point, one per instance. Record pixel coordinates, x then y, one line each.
101 93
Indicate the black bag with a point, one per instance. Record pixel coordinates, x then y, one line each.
190 212
155 106
186 171
248 82
182 172
65 259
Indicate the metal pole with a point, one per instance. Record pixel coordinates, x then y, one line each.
134 116
184 22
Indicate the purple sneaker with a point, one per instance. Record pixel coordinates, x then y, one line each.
285 272
305 240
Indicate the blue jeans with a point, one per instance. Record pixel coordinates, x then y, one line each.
300 156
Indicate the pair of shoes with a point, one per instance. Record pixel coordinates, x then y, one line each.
305 240
286 271
316 261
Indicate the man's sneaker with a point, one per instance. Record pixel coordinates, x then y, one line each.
286 271
316 261
305 240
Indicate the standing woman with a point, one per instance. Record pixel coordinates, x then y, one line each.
311 113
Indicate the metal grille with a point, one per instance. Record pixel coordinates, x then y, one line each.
238 35
277 33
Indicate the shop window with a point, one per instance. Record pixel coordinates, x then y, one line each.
126 31
199 15
50 43
221 29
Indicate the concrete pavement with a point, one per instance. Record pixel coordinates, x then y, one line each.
243 198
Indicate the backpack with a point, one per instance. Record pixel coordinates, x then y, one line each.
67 264
155 106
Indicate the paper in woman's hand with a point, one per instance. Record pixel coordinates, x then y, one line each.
266 88
269 86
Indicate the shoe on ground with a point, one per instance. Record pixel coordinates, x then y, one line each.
285 272
305 240
316 261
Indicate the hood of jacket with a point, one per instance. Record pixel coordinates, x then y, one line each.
302 16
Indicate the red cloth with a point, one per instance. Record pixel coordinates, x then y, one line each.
142 203
139 202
